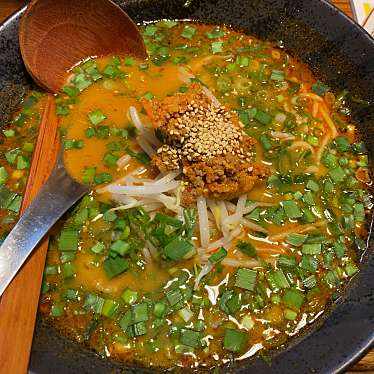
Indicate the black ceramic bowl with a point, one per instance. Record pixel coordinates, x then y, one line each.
340 53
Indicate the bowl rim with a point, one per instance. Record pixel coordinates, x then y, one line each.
356 352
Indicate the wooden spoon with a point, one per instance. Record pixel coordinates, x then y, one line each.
55 35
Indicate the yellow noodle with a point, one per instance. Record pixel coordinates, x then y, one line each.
301 144
298 229
315 108
311 96
328 120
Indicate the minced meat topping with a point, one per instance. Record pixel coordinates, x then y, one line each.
208 143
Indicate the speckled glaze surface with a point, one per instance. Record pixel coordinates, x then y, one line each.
339 52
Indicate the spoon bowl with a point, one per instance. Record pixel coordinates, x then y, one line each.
55 35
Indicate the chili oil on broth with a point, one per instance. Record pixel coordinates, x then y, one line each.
294 119
17 142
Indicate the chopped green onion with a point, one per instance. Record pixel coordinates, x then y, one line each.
68 270
96 117
339 249
68 241
190 338
159 309
73 144
277 75
234 340
140 312
319 88
185 313
215 33
129 296
81 81
312 249
6 197
3 175
293 298
188 32
310 281
115 266
217 256
359 212
148 96
57 310
178 249
247 248
109 308
337 174
129 61
312 140
109 216
126 320
94 302
290 314
90 132
217 47
312 185
102 132
22 162
62 110
331 279
15 205
71 91
309 263
265 142
330 161
308 199
278 280
351 269
150 30
141 157
183 89
263 117
88 175
71 294
102 178
67 256
11 156
286 261
168 220
174 296
291 209
137 329
296 239
342 144
9 133
98 248
112 71
51 270
120 247
28 147
110 159
246 279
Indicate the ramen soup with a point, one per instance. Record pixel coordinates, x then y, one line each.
229 200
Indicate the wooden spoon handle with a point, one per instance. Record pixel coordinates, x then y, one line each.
19 303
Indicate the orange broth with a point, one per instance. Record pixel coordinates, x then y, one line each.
272 93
